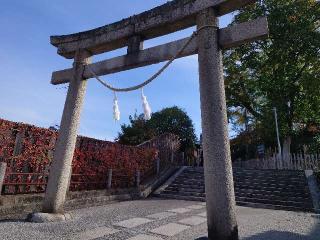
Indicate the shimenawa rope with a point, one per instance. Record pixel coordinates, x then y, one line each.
145 104
153 77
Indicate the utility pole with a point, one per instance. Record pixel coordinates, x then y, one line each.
277 130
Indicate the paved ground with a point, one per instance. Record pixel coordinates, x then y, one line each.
155 219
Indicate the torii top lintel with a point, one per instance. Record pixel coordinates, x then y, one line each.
170 17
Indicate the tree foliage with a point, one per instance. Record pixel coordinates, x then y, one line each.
169 120
282 71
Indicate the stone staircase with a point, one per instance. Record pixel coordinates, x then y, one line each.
275 189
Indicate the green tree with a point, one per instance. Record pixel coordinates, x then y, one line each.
169 120
282 71
136 132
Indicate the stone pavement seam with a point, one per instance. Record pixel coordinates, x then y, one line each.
180 210
170 229
144 237
94 233
193 220
132 222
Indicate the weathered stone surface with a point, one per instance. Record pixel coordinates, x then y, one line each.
170 17
135 44
192 221
133 222
264 223
95 233
180 210
198 206
220 199
161 215
237 35
145 237
314 189
228 37
18 144
48 217
203 214
60 170
170 229
3 168
170 180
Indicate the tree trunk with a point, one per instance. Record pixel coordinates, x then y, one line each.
286 145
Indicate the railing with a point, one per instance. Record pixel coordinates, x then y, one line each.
114 179
168 146
27 183
80 182
293 161
16 181
24 183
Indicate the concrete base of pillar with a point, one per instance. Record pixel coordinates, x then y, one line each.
48 217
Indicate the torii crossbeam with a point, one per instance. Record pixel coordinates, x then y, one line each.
131 32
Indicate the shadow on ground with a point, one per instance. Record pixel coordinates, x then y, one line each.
277 235
11 220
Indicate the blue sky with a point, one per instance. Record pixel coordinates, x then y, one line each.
27 60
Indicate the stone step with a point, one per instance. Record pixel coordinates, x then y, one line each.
287 184
277 192
191 177
272 197
266 198
267 188
191 183
270 177
190 180
269 172
180 197
286 190
275 207
186 185
202 190
280 184
262 179
239 203
185 193
275 202
252 173
181 185
272 188
256 194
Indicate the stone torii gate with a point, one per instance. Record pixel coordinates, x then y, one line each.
131 32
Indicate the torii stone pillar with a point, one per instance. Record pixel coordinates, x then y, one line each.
60 170
222 224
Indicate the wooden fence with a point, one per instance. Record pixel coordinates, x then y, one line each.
168 146
294 161
28 183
